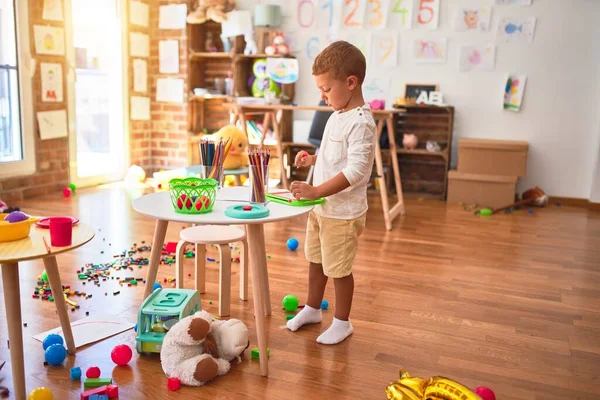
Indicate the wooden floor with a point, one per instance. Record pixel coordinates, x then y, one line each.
511 302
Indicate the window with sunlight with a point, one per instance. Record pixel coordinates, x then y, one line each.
11 135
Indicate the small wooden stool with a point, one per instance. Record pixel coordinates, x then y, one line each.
221 235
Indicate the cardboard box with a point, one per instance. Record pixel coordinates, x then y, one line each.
493 157
485 190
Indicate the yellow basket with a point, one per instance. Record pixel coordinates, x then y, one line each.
15 231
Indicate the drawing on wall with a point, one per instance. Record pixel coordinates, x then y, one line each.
514 2
384 49
430 50
469 19
52 10
49 40
52 82
401 14
513 92
474 57
511 29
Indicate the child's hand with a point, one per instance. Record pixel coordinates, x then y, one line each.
303 159
302 190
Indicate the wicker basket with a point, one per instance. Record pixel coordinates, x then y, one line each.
193 195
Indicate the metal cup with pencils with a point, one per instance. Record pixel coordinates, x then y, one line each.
212 157
259 175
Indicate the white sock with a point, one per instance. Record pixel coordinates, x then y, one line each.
336 333
307 315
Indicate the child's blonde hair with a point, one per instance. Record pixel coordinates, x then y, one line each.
341 59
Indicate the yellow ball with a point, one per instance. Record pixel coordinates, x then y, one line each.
41 393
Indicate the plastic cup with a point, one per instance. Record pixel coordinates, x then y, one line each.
61 231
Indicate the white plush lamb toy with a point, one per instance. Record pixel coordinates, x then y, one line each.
200 347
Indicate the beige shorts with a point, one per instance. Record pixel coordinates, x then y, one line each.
333 242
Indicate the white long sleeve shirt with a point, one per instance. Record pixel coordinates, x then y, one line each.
348 146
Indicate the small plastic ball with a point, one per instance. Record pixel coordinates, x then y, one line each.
67 192
16 216
93 372
55 354
156 286
41 393
324 305
485 393
44 276
292 244
51 339
121 354
290 302
73 187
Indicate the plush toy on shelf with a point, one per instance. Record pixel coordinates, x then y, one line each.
238 151
260 81
215 10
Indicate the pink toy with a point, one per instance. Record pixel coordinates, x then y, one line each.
410 141
485 393
121 354
377 104
67 192
93 372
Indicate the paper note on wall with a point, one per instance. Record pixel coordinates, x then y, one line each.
400 14
430 50
384 49
377 14
49 40
169 90
138 13
472 18
139 44
140 75
52 82
354 13
428 14
511 29
513 92
52 10
52 124
140 108
476 57
168 54
172 16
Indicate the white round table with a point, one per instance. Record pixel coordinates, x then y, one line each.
31 248
158 206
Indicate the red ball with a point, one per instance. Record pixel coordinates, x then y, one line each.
121 354
173 384
485 393
67 192
93 372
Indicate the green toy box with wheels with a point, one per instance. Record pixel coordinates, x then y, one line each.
159 312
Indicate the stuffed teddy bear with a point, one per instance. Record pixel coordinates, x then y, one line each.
215 10
238 155
200 347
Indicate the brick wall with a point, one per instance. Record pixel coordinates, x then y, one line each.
52 156
169 131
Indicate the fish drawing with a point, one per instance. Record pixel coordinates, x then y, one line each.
512 28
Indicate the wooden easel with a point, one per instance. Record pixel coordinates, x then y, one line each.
382 117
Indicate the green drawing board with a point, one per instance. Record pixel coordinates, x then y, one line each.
294 202
237 211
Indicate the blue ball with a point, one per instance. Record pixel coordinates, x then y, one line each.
324 305
56 354
156 286
135 328
51 339
292 244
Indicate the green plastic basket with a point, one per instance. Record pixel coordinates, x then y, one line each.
193 195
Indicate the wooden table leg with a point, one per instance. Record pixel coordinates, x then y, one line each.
258 264
224 280
59 300
200 268
392 136
160 231
12 301
381 178
266 290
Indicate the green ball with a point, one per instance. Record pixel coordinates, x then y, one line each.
73 187
485 211
44 276
290 302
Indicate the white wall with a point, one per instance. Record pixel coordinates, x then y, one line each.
559 116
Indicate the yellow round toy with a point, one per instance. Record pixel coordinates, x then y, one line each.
40 393
238 154
437 387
